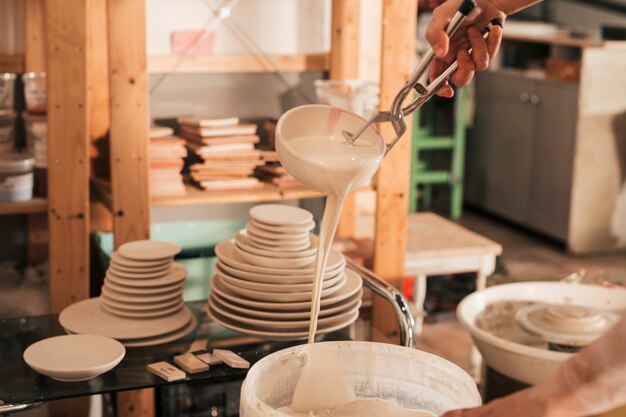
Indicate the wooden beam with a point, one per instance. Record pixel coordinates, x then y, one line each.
34 36
129 117
129 120
344 65
397 56
68 170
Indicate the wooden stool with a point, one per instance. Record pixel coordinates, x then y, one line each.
437 246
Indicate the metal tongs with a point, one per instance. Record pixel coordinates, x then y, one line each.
397 113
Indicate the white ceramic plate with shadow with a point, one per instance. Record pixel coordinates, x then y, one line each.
130 263
138 274
352 285
177 274
280 215
226 252
140 269
141 291
120 297
278 263
88 317
152 314
279 245
281 229
279 288
72 358
159 340
286 237
148 250
281 297
159 305
241 241
275 279
278 325
345 305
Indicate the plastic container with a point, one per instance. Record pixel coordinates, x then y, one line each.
358 96
409 377
16 177
35 92
37 136
7 91
7 131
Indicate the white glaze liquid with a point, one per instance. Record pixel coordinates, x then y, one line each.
361 408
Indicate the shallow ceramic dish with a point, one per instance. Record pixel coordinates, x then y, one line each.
153 314
280 215
73 358
141 269
118 260
279 297
526 363
177 274
147 291
226 252
138 274
241 240
345 305
122 297
277 335
88 317
276 245
278 263
148 250
275 279
166 338
277 325
159 305
287 288
281 229
280 237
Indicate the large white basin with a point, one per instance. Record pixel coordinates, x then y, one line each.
409 377
520 362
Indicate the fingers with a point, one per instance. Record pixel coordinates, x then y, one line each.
436 32
436 68
480 51
466 70
494 40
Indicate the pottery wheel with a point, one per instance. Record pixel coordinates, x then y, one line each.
88 317
566 324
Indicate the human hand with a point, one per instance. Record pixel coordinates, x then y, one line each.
467 35
527 403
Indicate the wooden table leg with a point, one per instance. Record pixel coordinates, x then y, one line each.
138 403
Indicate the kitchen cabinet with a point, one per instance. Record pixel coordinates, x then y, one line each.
520 154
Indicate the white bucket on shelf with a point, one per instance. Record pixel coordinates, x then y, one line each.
358 96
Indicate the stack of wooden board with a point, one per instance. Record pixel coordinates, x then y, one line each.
274 173
226 151
166 163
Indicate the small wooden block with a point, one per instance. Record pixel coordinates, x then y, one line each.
197 345
231 359
190 363
166 371
209 358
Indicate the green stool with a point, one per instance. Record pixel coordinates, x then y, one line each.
424 141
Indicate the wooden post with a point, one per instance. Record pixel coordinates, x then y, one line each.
34 35
129 147
397 61
68 168
344 64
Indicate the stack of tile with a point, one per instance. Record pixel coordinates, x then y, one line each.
226 150
166 163
274 173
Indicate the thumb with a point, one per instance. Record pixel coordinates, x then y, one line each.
436 32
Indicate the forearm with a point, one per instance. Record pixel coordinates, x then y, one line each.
512 6
592 381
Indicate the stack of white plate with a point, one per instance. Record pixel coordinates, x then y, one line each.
264 278
142 298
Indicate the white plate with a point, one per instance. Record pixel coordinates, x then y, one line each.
279 245
280 215
286 237
141 291
143 314
122 297
345 305
159 305
241 241
279 325
140 269
280 297
277 335
352 285
280 229
166 338
148 250
129 263
274 287
177 274
275 279
279 263
226 253
138 274
73 358
88 317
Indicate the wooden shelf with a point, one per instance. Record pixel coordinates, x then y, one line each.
238 63
36 205
11 63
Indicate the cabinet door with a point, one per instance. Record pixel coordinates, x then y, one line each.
553 154
504 121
